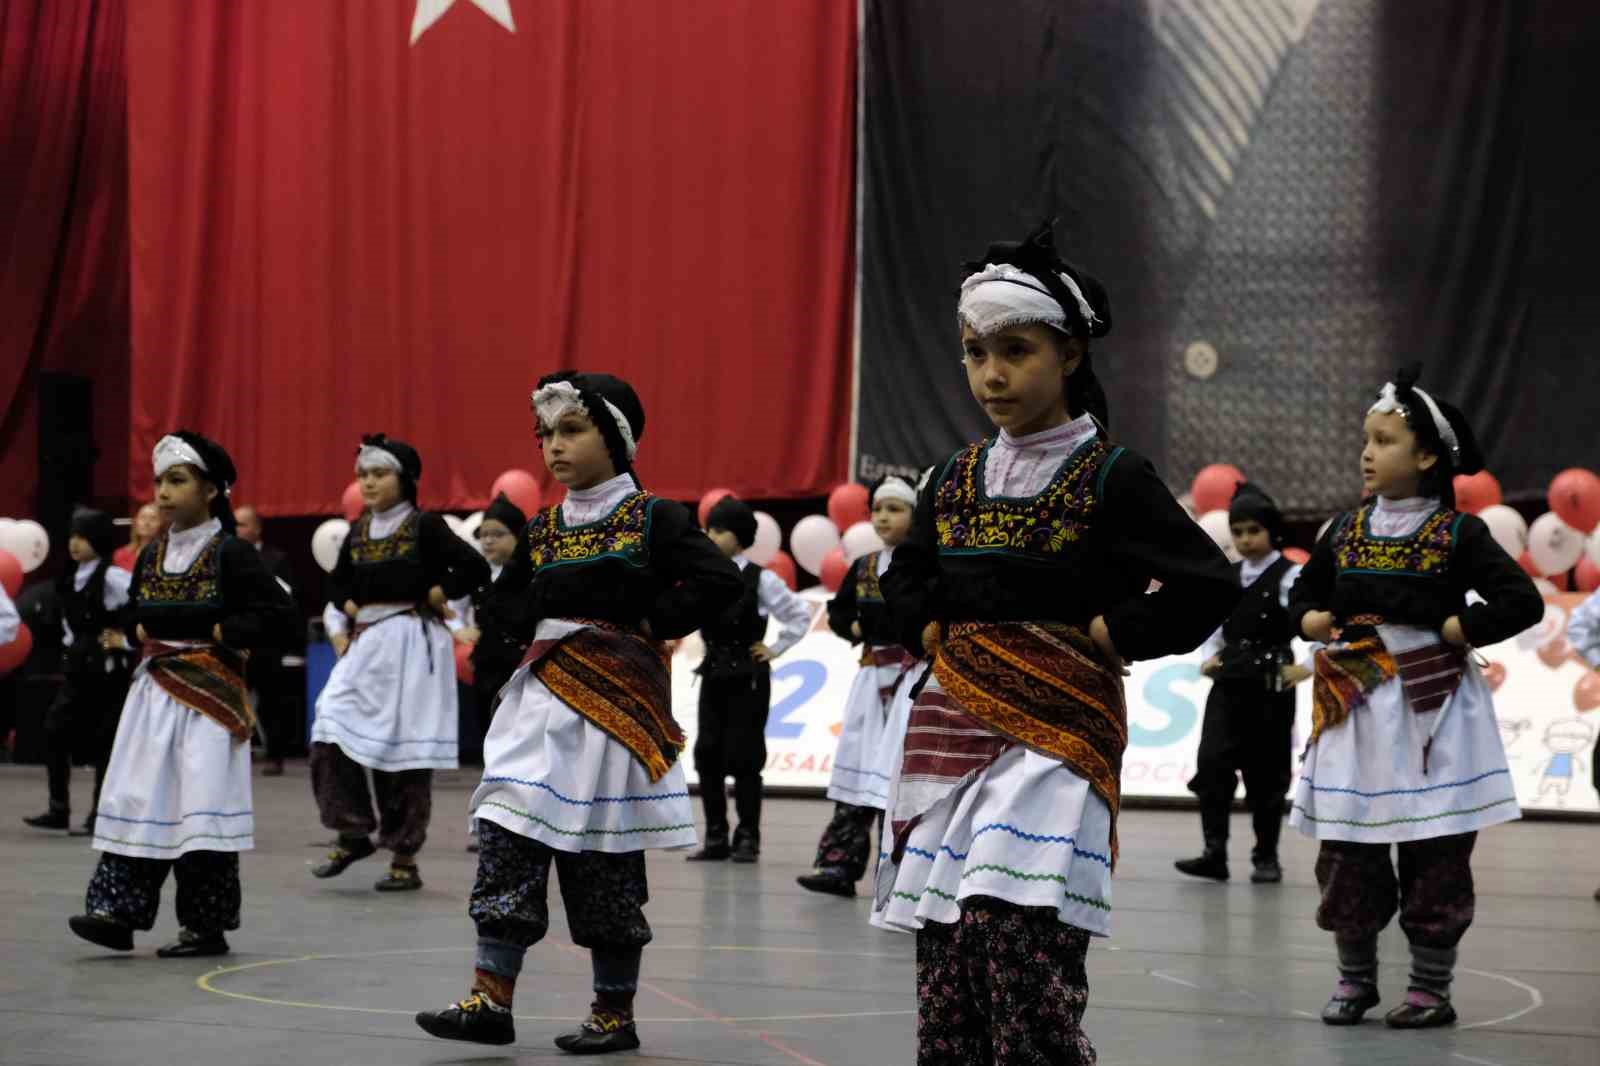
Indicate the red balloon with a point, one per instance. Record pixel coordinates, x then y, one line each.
710 500
1575 498
1474 492
1525 560
835 567
1214 486
1586 695
15 654
464 671
10 573
1555 653
782 564
849 504
1588 575
1562 581
1297 555
521 488
351 502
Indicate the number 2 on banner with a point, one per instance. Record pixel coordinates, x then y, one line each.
811 675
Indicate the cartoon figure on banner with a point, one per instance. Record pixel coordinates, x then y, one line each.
1512 729
1567 741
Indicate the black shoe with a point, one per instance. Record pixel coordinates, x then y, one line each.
99 929
1212 865
84 830
50 820
1350 1003
601 1033
746 847
828 884
1266 872
472 842
274 768
476 1019
343 854
194 946
400 879
714 851
1411 1016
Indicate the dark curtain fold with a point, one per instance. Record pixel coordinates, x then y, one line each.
63 228
337 231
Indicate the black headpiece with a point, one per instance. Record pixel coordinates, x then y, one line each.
97 528
1440 428
505 512
1251 502
596 391
219 470
736 517
404 454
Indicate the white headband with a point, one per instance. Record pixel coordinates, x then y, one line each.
1389 403
372 457
895 488
1000 296
170 451
555 400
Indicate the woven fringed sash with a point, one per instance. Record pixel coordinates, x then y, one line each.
620 681
208 679
1041 685
1347 674
883 656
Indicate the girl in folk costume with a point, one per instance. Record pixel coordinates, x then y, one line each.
581 761
874 713
177 790
1583 633
1025 577
1404 745
390 703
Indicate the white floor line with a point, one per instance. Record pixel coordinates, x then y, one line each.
1175 980
1469 1058
1535 997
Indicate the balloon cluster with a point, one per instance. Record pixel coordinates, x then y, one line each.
24 546
1559 548
823 546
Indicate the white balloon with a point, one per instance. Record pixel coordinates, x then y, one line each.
1186 501
1216 525
454 523
769 538
812 538
27 540
1555 546
8 528
1545 586
858 540
470 524
1509 529
1593 546
326 542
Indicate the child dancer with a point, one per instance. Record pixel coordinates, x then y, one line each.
177 791
736 688
1404 745
1250 712
1025 576
1583 633
859 785
390 703
82 721
581 760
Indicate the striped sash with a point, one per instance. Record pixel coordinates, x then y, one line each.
208 678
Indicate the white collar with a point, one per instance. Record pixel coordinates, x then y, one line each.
1409 505
187 538
604 490
1071 435
1248 571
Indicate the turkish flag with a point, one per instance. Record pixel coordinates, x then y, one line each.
374 215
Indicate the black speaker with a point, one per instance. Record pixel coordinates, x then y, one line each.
66 450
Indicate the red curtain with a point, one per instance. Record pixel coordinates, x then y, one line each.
336 231
63 228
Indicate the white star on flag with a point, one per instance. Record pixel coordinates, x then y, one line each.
431 11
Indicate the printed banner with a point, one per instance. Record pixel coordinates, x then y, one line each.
1546 699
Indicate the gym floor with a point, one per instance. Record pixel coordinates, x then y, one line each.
747 968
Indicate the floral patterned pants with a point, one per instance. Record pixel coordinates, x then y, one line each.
1005 985
1433 890
846 844
127 889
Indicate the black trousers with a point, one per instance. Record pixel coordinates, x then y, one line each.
80 727
732 741
1246 733
127 889
274 708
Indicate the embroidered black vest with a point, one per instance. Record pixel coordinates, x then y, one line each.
1425 553
84 611
624 535
970 521
398 547
1260 617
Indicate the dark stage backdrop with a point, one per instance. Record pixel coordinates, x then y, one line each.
351 217
1285 198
